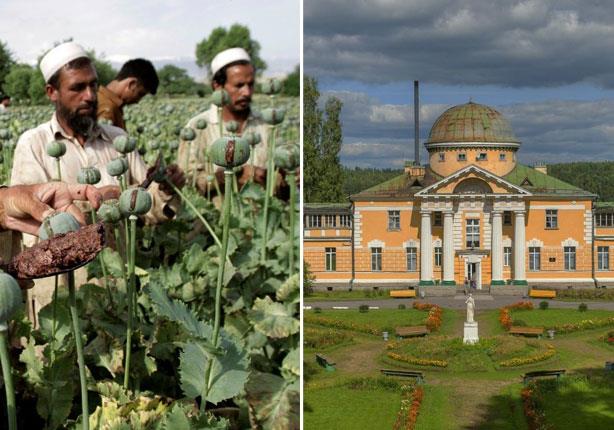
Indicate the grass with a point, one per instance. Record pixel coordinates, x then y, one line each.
342 407
319 296
504 411
433 411
553 317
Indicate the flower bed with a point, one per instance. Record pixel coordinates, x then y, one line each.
584 325
323 338
535 416
411 399
433 319
505 316
418 361
344 325
522 361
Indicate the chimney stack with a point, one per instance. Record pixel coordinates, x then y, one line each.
541 167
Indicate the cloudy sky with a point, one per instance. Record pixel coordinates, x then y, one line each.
547 65
165 31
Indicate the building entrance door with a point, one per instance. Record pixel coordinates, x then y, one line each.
474 275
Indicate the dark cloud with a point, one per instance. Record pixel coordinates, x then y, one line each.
532 43
380 135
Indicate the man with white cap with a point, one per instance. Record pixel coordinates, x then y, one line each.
232 71
71 84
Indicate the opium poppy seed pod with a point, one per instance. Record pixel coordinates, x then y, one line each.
201 124
232 126
109 212
56 148
135 201
173 144
154 144
272 86
88 175
117 167
252 138
287 156
57 223
220 98
5 134
273 116
10 299
230 152
188 134
124 144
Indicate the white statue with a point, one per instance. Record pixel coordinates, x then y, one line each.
470 308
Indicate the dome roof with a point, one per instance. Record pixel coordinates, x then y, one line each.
471 122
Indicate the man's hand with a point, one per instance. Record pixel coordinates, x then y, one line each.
24 207
110 192
174 175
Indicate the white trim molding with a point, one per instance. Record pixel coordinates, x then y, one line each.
437 243
411 244
570 242
535 243
375 243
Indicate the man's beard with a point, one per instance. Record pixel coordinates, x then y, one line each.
81 124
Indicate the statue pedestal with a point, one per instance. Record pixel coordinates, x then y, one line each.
471 332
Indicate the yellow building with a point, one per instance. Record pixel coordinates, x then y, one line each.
472 216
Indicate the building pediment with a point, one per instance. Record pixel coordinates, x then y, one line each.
473 180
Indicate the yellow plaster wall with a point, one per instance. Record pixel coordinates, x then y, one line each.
492 163
449 188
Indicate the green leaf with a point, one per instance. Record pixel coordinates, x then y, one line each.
228 370
113 262
194 260
63 323
289 292
274 400
106 353
34 365
290 367
176 420
273 319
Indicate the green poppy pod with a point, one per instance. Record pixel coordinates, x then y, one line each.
117 167
5 134
201 124
10 299
156 131
220 98
88 175
154 145
272 86
232 126
188 134
109 212
135 201
230 151
124 144
57 223
252 138
177 130
56 148
140 129
273 116
287 157
173 144
169 109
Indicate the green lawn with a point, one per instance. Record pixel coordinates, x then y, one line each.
318 296
343 408
434 410
553 317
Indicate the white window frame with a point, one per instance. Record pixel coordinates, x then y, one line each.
411 253
569 255
603 258
345 221
438 250
507 256
552 218
331 259
330 221
314 221
534 258
394 220
376 259
472 230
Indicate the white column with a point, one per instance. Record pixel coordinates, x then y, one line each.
520 277
496 248
448 248
426 249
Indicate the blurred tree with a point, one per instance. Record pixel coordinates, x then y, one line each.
292 84
17 82
6 62
237 36
175 80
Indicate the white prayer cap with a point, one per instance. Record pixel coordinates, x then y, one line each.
228 56
59 56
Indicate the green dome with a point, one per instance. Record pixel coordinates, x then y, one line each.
471 122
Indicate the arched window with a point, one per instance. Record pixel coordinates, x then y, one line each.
473 186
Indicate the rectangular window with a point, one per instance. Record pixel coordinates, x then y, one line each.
376 259
569 253
552 218
507 255
473 233
331 259
603 257
507 218
438 254
534 258
502 156
481 156
437 219
314 221
442 156
394 220
604 220
412 259
345 221
462 156
330 221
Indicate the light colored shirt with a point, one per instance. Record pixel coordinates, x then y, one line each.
199 147
32 164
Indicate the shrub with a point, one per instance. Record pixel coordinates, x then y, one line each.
401 306
519 323
317 310
543 305
363 308
582 307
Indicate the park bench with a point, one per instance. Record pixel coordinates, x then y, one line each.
539 373
325 362
405 374
527 331
402 294
542 294
609 365
418 330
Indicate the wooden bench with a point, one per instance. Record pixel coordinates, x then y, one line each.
542 294
540 373
405 374
325 363
527 331
418 330
398 294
